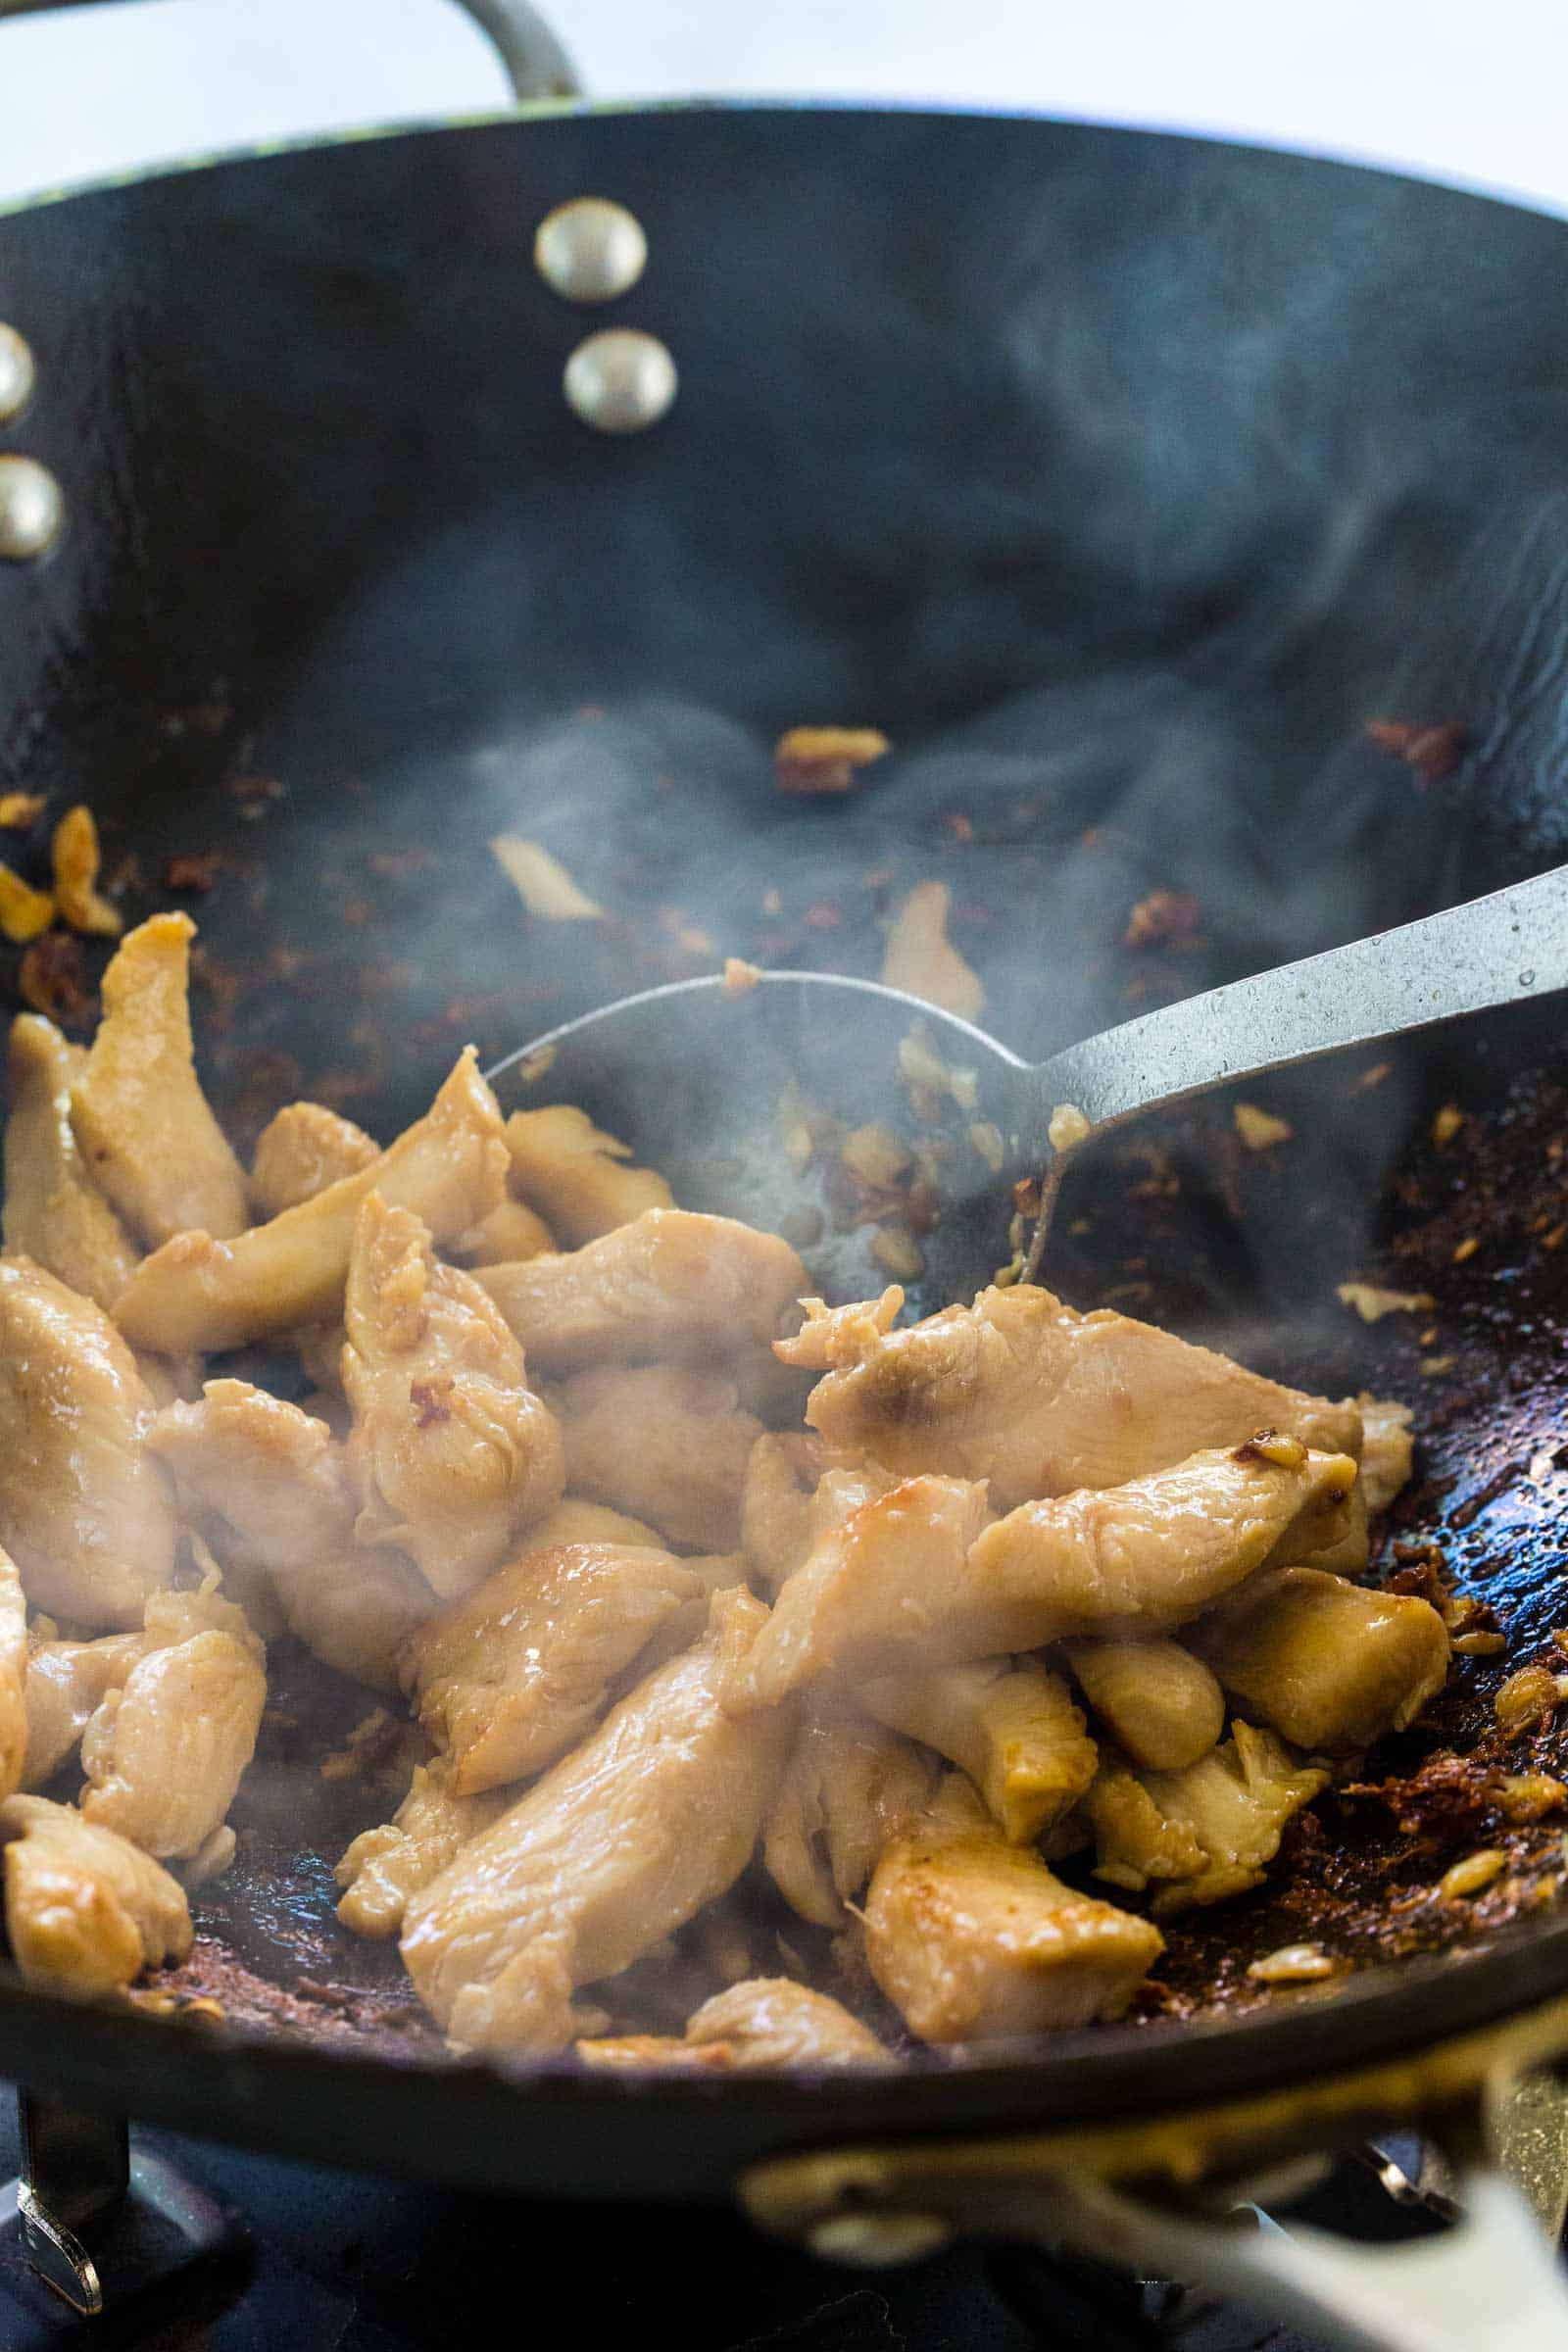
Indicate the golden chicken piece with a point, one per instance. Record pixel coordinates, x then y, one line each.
303 1149
974 1939
575 1175
508 1677
355 1610
671 1286
452 1451
667 1445
165 1752
1021 1390
146 1130
782 1474
1206 1833
86 1911
1012 1728
1330 1665
750 2028
54 1212
506 1237
1388 1454
384 1866
850 1785
12 1678
65 1681
621 1843
198 1292
84 1506
574 1521
1158 1702
1351 1548
832 1337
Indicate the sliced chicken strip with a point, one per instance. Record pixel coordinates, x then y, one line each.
1021 1390
165 1753
576 1521
508 1677
667 1445
750 2028
384 1866
850 1785
198 1292
1158 1702
66 1680
303 1149
452 1451
85 1509
86 1911
1013 1728
781 1477
1330 1665
619 1844
54 1211
576 1176
506 1237
1203 1834
146 1130
12 1678
1388 1454
974 1939
668 1286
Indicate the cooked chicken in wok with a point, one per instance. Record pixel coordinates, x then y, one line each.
1038 1627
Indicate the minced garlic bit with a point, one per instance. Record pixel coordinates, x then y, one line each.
1067 1127
76 860
1465 1248
1531 1696
19 809
1472 1874
1259 1129
1527 1795
1434 1366
1446 1123
1372 1303
542 881
740 977
895 1249
24 910
921 959
874 1155
537 1064
810 760
985 1137
1295 1964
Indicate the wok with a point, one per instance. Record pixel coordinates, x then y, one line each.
1123 479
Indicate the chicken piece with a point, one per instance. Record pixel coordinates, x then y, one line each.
86 1911
910 1580
84 1506
506 1237
574 1521
64 1683
318 1347
850 1785
54 1212
198 1292
621 1843
667 1445
1206 1833
781 1477
1351 1548
832 1337
384 1866
12 1678
356 1610
1158 1702
668 1287
750 2028
165 1752
1330 1665
575 1175
303 1149
974 1939
507 1678
1388 1454
452 1451
1013 1728
146 1130
1021 1390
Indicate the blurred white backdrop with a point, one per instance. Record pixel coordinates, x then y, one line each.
1446 86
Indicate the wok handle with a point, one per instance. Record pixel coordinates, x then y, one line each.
536 63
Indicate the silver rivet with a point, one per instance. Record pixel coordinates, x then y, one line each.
620 381
590 250
16 374
32 508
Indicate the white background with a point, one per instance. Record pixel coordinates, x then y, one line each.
1468 89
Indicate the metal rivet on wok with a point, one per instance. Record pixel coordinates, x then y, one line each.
31 509
590 250
17 373
620 381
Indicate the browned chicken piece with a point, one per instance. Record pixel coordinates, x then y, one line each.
452 1451
974 1939
506 1237
832 1337
1202 1833
576 1176
1388 1454
66 1680
146 1130
384 1866
751 2027
1330 1665
1021 1390
198 1292
165 1752
574 1521
1349 1553
781 1477
1012 1728
86 1911
13 1676
54 1211
303 1149
1158 1702
508 1677
667 1445
319 1347
84 1506
170 1379
670 1286
850 1785
621 1843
